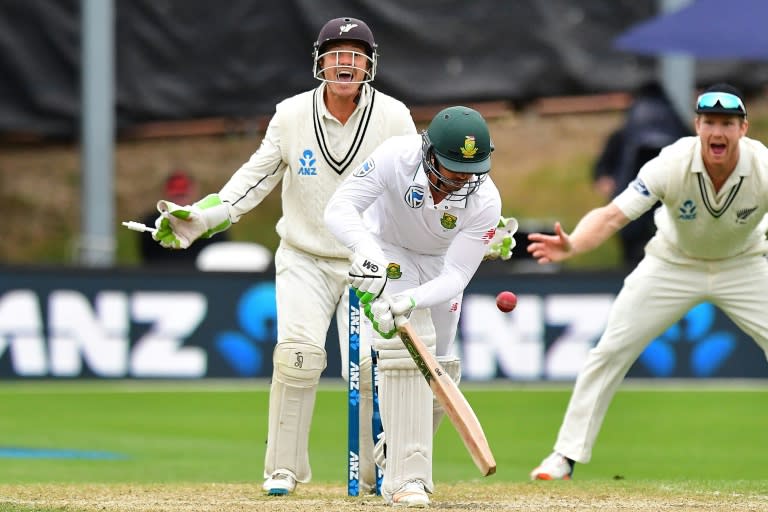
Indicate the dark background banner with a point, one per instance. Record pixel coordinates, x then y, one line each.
67 323
191 59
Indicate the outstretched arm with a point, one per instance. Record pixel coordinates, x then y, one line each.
592 230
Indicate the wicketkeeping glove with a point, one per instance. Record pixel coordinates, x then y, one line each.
503 241
368 275
383 311
179 226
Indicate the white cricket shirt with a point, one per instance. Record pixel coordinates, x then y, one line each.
388 199
311 152
694 221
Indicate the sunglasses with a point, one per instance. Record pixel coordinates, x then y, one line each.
726 100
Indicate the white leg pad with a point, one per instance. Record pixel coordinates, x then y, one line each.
297 369
452 366
405 400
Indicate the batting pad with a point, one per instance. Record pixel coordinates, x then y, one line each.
405 400
297 369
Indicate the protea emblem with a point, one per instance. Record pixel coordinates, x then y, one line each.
448 221
469 149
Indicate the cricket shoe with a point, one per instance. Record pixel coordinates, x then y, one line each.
554 467
411 494
281 483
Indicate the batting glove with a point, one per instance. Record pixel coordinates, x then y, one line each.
380 315
179 226
503 241
385 312
368 275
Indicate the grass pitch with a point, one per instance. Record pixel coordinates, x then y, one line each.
195 446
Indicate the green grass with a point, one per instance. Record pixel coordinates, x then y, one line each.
217 434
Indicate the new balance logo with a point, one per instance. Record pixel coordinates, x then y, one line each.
370 266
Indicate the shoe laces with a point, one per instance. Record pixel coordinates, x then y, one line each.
411 486
282 476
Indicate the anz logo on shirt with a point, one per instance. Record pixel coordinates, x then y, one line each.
639 186
688 210
307 163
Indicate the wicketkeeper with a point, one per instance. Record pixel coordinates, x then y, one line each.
313 142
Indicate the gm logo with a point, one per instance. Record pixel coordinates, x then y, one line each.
414 196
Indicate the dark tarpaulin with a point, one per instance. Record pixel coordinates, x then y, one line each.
187 59
39 66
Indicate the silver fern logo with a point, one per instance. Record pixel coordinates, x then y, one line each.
741 215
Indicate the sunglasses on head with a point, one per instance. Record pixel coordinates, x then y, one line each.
726 100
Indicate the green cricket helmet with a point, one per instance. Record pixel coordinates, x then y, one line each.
458 139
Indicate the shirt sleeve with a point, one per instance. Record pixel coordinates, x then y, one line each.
256 178
462 259
644 191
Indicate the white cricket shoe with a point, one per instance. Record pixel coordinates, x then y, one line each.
281 483
411 494
554 467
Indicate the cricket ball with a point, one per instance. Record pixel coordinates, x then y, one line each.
506 301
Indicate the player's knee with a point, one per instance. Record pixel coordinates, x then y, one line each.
452 366
298 363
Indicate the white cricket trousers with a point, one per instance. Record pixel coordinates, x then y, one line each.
655 296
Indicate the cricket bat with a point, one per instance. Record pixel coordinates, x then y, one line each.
449 396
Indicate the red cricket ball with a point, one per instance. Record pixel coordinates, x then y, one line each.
506 301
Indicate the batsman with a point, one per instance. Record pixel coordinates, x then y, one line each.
420 214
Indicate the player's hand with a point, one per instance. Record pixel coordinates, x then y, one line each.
368 275
380 314
179 226
550 248
503 241
384 311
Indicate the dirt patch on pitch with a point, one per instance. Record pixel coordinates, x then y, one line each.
559 496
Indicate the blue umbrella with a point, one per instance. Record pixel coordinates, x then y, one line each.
706 29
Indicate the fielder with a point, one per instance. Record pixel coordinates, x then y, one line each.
419 215
709 246
313 142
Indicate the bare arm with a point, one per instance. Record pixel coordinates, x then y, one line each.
592 230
